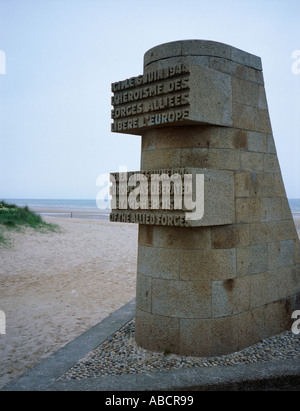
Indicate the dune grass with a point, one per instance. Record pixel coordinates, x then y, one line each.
13 217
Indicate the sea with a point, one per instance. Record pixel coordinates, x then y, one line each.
92 204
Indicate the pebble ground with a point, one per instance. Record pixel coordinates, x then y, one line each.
120 354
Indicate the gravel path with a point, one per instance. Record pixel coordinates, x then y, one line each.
120 354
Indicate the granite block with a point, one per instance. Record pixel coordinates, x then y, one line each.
156 332
230 236
231 296
181 299
264 288
208 265
143 293
159 262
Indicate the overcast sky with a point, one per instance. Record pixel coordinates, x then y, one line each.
62 55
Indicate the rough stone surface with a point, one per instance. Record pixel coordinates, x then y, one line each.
212 49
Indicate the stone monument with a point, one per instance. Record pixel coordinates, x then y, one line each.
219 262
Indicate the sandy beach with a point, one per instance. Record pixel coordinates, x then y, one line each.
55 286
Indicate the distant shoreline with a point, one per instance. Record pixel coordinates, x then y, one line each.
70 212
75 210
95 213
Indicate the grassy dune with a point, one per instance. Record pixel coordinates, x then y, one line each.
13 217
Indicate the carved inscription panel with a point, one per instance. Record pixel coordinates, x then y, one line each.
177 197
177 95
154 99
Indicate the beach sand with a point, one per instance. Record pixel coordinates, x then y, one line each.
296 217
55 286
